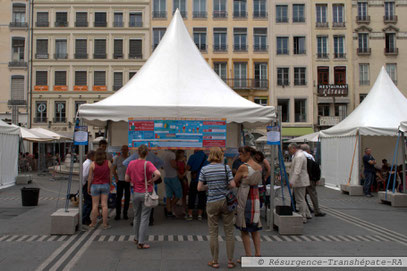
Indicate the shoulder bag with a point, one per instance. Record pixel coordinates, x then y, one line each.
150 200
231 199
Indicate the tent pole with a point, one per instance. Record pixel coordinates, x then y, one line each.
403 160
81 153
359 156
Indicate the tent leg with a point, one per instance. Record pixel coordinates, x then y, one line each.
81 154
270 211
403 160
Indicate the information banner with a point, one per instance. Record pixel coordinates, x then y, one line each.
177 134
273 135
81 135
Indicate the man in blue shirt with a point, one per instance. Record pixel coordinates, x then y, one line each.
195 163
369 171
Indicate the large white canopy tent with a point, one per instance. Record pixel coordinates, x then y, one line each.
9 138
374 123
175 82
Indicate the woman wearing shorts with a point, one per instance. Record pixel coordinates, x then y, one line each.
99 181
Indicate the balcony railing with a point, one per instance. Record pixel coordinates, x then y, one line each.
99 56
61 24
283 83
390 19
220 14
259 14
117 56
338 24
363 19
260 48
260 83
298 19
61 56
340 55
17 63
40 120
322 24
159 14
322 55
135 24
220 47
239 48
115 88
81 56
59 120
202 47
42 24
364 82
364 51
300 82
18 24
300 52
100 23
137 56
81 24
282 20
41 55
391 51
239 14
237 83
118 24
199 14
282 52
16 102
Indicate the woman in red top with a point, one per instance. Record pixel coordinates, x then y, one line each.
136 173
99 181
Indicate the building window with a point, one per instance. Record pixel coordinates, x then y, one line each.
100 19
389 11
17 49
364 75
300 76
340 111
300 110
239 9
77 105
284 107
322 47
40 112
81 78
118 49
219 9
338 14
240 74
159 9
200 38
100 49
99 78
199 9
118 19
282 46
182 6
42 19
81 49
240 39
340 75
117 80
298 13
261 100
259 9
81 19
283 76
42 49
392 71
17 88
321 13
219 39
135 19
135 49
363 39
324 110
260 39
60 49
158 34
281 14
41 78
299 46
390 43
260 75
362 11
221 69
323 75
60 78
339 46
60 112
18 17
61 19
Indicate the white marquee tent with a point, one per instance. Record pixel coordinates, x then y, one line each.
175 82
9 138
403 126
314 137
374 123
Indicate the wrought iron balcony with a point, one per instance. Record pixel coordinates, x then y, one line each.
135 24
59 120
364 51
322 24
41 55
117 56
390 19
137 56
18 24
81 24
300 52
159 14
61 56
118 24
340 55
42 24
391 51
281 19
220 48
61 24
220 14
41 120
81 56
259 14
18 64
338 24
260 48
199 14
299 19
202 47
363 19
322 55
238 83
239 48
239 14
100 23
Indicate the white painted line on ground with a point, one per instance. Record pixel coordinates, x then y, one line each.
121 238
102 238
111 238
22 238
278 239
190 238
4 237
52 238
13 237
171 238
61 238
131 238
180 238
343 238
200 238
314 238
305 238
363 238
151 238
286 238
325 239
268 239
353 238
296 238
42 238
32 238
372 238
161 238
334 238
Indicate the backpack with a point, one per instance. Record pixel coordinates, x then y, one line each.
313 169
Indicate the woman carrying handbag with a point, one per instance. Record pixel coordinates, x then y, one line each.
142 174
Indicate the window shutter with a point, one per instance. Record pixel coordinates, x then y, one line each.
42 17
117 80
80 47
81 17
118 48
80 78
60 78
41 78
42 48
100 18
135 48
100 78
17 87
61 17
100 47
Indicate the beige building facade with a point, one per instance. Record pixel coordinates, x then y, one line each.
84 51
379 39
14 59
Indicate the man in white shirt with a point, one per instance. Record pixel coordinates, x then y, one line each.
87 206
173 188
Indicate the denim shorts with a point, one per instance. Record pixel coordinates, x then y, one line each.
99 189
173 187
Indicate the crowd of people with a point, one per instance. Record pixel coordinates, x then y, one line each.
212 182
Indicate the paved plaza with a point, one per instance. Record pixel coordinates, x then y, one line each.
353 226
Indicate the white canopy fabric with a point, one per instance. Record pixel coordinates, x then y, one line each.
8 129
176 82
9 138
305 138
51 134
34 136
379 114
403 126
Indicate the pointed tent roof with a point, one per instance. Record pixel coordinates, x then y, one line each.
380 113
176 82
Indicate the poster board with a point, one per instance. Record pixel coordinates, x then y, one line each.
165 133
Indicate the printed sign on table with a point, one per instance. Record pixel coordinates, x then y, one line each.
273 135
177 134
81 135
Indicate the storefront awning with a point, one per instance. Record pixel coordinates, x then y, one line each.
296 131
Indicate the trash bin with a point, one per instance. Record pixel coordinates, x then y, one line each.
30 196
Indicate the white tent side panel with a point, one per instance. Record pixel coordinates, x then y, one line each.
403 126
8 159
382 148
336 160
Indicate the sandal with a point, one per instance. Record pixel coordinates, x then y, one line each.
135 241
231 265
143 246
213 264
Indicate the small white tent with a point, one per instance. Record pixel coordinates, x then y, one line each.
374 123
175 82
9 138
314 137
